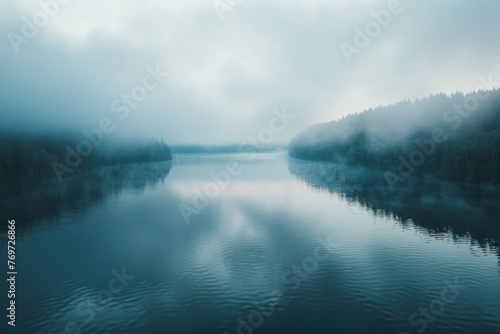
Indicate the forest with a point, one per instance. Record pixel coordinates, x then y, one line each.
448 136
29 159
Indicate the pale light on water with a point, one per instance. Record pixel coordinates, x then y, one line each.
276 251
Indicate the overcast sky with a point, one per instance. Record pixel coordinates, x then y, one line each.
226 75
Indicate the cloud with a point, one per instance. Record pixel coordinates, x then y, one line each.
226 76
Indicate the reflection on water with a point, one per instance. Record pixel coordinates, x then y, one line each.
52 199
257 238
439 207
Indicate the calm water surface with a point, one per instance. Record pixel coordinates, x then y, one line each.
285 247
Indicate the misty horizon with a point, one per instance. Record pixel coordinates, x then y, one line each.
249 167
71 71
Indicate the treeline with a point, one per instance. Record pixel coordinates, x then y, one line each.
454 137
28 159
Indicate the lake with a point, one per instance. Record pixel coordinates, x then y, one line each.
277 246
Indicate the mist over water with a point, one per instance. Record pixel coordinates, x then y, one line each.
257 245
247 167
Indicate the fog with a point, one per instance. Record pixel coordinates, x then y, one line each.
227 75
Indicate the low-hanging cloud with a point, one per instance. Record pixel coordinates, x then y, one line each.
226 76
